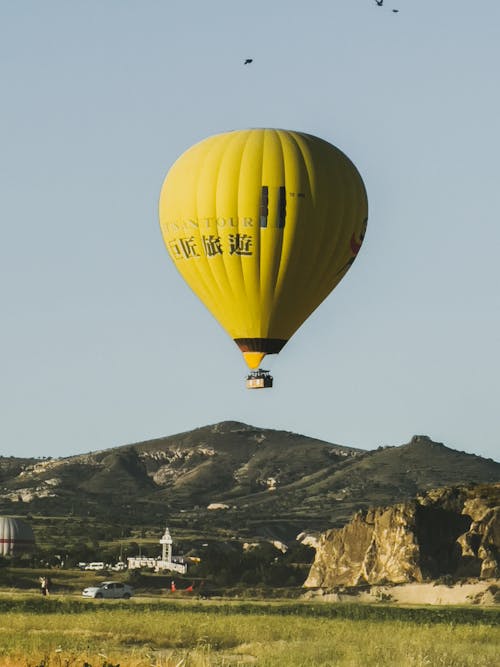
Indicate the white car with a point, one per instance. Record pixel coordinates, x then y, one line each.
119 567
95 566
108 589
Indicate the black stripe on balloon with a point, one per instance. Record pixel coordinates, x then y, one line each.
266 345
282 207
264 205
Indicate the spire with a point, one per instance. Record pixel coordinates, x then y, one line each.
166 546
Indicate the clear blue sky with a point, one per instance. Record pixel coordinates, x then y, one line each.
102 344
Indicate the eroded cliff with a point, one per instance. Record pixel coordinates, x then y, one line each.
452 531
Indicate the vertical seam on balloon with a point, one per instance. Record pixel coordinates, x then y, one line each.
325 279
238 184
323 214
299 233
350 185
260 232
252 286
317 214
219 166
199 275
213 282
211 285
277 254
336 222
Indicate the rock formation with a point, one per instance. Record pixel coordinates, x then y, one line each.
447 532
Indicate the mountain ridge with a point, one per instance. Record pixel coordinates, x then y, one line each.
268 481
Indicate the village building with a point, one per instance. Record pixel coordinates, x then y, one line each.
166 561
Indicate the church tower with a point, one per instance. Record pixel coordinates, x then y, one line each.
166 546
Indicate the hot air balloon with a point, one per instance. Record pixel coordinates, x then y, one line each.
16 536
262 224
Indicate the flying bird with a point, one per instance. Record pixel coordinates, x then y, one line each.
395 11
379 2
248 61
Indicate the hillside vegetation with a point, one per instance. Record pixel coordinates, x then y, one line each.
264 483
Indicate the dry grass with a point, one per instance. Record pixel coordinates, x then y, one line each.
105 635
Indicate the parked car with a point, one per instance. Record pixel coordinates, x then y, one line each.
119 567
95 566
108 589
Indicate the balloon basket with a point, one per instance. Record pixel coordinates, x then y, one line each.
259 379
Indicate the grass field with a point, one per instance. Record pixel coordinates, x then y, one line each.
70 632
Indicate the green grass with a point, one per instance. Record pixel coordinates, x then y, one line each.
67 631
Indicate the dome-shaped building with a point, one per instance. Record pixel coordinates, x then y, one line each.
16 536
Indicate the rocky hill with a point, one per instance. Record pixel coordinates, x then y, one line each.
233 479
451 532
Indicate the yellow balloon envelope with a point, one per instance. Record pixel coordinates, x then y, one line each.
263 224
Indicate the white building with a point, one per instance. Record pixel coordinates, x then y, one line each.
164 562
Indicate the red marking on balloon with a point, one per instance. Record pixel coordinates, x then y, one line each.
355 245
